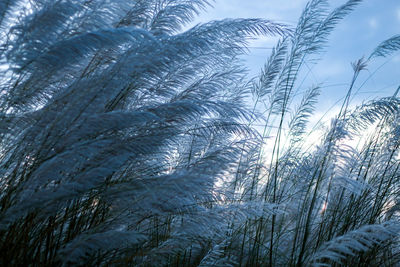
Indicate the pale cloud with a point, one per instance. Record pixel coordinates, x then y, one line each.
373 23
398 13
396 59
330 68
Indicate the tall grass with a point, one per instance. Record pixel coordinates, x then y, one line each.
127 141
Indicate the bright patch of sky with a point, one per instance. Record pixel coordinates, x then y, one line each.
356 36
373 23
398 14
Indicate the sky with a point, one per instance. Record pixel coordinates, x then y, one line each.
357 35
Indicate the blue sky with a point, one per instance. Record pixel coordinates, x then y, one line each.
357 35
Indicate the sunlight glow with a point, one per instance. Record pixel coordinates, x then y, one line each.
324 206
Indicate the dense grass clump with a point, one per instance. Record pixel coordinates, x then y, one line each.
125 140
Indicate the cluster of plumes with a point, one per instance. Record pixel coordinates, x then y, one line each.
127 141
115 127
